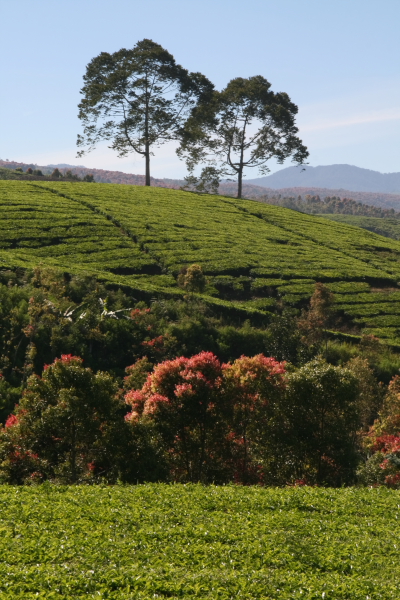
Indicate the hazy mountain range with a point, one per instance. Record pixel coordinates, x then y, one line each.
346 177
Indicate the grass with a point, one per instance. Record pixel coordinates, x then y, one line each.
254 255
174 541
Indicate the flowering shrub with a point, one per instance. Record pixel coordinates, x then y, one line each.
382 443
183 398
253 385
208 414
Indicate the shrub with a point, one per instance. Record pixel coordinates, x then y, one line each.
192 278
320 422
210 417
254 387
67 427
88 178
182 397
382 443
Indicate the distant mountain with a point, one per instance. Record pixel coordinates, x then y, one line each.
346 177
67 166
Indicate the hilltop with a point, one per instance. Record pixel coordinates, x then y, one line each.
250 190
255 256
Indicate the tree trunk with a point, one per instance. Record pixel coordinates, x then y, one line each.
147 157
241 164
240 176
146 136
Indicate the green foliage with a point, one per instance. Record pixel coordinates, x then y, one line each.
67 427
342 210
137 99
323 416
241 127
88 178
198 542
256 258
386 226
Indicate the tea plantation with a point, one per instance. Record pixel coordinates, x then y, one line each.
175 541
254 255
382 226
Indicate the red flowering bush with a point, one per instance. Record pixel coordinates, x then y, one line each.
382 443
208 415
66 427
183 398
254 386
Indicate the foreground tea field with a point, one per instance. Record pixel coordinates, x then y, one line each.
159 541
254 255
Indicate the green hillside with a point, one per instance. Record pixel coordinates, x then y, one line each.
9 174
382 226
254 255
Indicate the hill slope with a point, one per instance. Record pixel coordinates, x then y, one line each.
386 227
226 188
254 254
345 177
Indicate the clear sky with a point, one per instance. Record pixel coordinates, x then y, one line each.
339 61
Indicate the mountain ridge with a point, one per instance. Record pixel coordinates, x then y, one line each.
348 177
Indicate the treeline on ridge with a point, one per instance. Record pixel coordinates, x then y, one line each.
32 174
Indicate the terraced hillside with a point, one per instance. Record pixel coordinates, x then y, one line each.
254 255
382 226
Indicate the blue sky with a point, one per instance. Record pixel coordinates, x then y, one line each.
337 59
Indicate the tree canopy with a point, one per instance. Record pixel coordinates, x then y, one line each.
137 100
244 126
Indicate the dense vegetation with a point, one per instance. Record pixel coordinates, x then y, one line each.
254 256
51 316
195 542
34 174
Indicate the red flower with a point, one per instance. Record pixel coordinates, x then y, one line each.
155 343
153 403
136 399
11 421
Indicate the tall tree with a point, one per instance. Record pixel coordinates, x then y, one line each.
137 99
244 126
